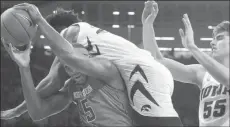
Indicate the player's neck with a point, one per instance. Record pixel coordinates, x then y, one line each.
224 61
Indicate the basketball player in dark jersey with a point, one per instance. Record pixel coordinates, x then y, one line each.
99 103
102 102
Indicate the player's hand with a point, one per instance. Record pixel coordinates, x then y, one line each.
22 58
187 37
33 11
150 12
9 114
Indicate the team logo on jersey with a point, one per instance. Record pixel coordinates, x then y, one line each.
138 85
91 48
146 108
83 92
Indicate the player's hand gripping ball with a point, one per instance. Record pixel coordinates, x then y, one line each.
17 28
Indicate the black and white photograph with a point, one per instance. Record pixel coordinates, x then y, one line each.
154 63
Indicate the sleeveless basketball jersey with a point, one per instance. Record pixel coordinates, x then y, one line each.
214 103
149 83
101 105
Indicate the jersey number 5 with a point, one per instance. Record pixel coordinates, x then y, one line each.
87 109
217 111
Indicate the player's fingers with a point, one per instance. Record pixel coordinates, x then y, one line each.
155 6
152 11
22 7
185 16
185 24
5 44
22 4
187 20
7 47
181 32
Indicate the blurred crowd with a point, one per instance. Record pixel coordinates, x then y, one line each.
185 96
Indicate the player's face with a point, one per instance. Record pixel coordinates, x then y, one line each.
73 72
220 45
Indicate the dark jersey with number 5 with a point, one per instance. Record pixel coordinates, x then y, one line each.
214 103
101 105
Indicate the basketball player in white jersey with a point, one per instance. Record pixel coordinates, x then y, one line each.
149 83
212 76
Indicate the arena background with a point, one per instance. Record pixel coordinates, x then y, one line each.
203 15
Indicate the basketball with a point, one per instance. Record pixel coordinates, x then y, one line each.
17 27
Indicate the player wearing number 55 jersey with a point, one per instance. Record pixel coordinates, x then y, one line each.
211 75
214 103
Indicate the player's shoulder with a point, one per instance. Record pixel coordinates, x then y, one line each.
105 62
114 78
200 73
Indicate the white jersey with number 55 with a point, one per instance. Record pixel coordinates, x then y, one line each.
214 103
149 83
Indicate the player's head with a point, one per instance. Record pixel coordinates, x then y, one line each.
75 74
62 19
220 43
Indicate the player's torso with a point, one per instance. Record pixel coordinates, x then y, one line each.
150 87
214 103
100 104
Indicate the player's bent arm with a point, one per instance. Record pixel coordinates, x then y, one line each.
59 45
71 56
183 73
55 103
53 81
100 68
49 85
217 70
37 106
180 72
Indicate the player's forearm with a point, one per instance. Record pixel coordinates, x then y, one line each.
58 44
44 90
149 41
217 70
31 96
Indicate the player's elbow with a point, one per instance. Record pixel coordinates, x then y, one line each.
37 116
40 113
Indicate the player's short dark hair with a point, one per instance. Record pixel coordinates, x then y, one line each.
62 18
222 27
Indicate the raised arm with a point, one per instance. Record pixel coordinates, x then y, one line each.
69 55
38 107
148 34
46 88
219 71
180 72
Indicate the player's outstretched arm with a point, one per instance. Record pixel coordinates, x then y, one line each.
217 70
38 107
180 72
48 86
148 34
64 50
